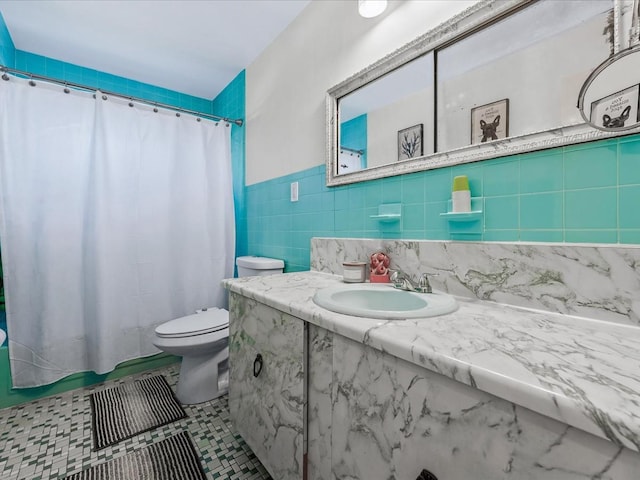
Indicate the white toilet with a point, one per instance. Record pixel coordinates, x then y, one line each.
202 340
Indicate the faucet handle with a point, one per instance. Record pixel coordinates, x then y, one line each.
423 284
396 278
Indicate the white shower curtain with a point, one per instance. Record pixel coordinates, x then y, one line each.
113 220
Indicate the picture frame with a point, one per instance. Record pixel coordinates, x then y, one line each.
614 110
490 122
411 142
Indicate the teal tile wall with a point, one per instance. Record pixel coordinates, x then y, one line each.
7 49
589 193
279 228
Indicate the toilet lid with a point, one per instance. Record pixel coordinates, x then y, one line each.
207 321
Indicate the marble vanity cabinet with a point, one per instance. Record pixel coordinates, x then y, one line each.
266 384
535 376
374 416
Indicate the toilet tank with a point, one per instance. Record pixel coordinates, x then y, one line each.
258 266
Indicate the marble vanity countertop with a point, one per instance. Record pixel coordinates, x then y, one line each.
583 372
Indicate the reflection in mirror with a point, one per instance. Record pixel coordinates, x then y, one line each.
351 159
609 97
498 79
538 73
373 118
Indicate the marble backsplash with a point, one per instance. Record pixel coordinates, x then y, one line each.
594 281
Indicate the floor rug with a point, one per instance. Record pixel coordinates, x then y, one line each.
174 458
131 408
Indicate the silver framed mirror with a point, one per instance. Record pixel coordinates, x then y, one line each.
457 124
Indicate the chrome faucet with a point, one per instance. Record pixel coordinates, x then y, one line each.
402 281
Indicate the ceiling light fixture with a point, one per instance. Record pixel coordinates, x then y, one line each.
371 8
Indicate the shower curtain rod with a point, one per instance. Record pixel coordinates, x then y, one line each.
78 86
359 152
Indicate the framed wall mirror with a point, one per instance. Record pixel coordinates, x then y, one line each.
500 78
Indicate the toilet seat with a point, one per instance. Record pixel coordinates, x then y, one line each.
207 321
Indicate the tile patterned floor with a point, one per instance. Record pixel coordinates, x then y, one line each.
51 438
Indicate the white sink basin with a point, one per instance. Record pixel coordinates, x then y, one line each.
383 301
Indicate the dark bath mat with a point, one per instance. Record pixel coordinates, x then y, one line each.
174 458
131 408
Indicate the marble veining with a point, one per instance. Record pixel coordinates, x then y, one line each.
594 281
319 416
267 409
392 418
579 371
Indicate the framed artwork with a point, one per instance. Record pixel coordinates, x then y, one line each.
410 142
614 110
490 122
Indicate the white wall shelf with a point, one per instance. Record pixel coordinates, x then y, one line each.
388 212
474 215
463 216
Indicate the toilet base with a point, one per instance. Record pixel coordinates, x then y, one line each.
198 380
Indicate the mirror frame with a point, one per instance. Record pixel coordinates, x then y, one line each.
476 17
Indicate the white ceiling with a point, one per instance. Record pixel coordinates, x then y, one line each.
190 46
